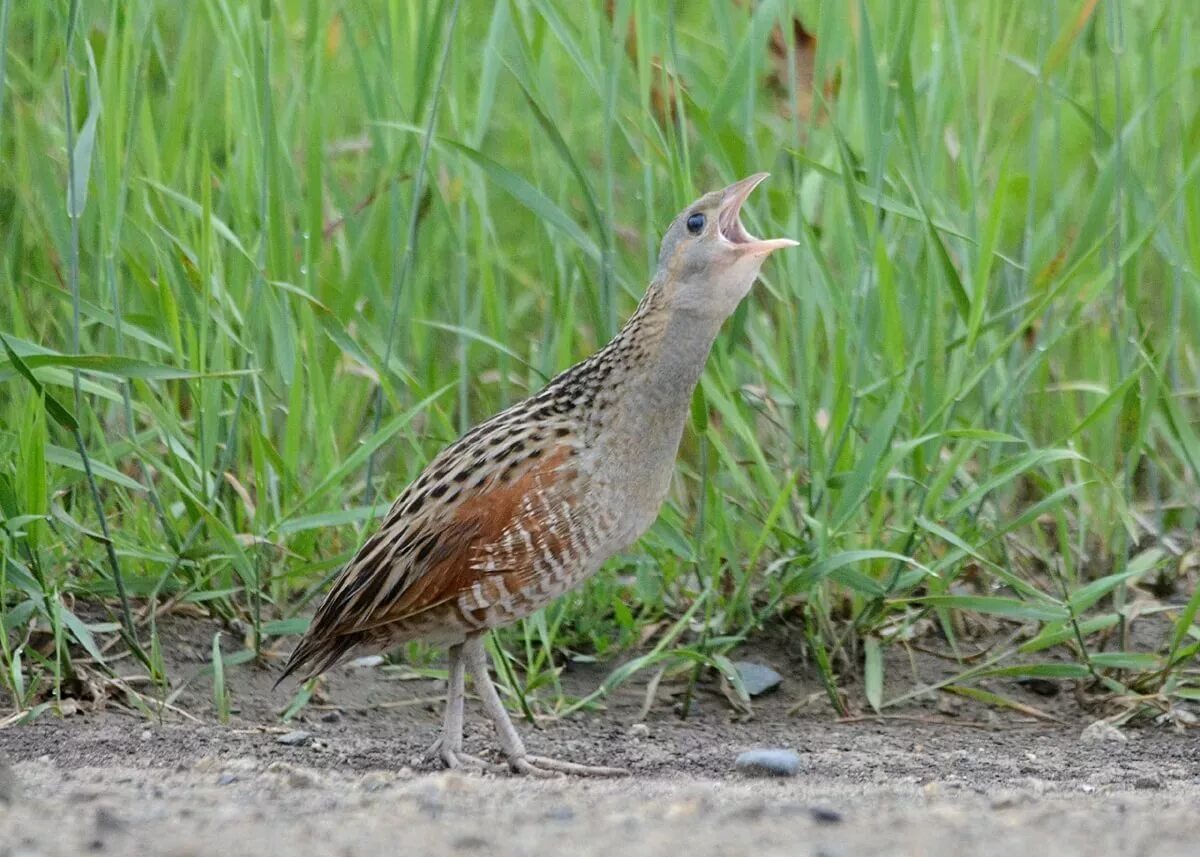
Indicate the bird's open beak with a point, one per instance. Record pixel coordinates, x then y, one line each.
729 220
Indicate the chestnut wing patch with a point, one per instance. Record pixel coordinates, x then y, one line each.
505 529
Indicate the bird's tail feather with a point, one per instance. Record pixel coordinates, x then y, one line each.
317 654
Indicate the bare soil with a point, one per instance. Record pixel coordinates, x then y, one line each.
936 779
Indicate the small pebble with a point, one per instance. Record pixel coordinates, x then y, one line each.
639 730
825 815
757 678
1102 732
951 706
768 763
470 842
297 738
226 779
331 717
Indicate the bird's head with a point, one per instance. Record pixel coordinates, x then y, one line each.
708 260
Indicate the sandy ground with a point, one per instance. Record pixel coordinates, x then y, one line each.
935 782
112 785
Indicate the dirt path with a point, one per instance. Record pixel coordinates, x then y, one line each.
110 783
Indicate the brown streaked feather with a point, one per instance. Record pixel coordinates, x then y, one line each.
476 527
450 547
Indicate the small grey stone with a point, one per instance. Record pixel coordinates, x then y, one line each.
296 738
470 842
331 717
951 706
825 815
226 779
768 763
1102 732
757 678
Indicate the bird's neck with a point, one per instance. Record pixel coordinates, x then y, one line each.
664 351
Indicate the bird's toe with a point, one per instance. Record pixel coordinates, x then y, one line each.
540 766
457 760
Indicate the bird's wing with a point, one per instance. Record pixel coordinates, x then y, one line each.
476 526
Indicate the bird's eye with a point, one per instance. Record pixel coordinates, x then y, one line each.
695 223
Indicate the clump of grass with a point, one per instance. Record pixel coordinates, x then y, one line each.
279 254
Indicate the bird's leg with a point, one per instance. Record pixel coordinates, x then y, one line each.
448 746
510 741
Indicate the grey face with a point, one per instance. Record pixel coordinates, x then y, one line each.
708 255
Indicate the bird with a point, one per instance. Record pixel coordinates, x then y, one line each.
530 503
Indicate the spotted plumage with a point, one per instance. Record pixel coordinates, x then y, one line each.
529 503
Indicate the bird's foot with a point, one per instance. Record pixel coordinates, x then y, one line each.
540 766
456 760
460 761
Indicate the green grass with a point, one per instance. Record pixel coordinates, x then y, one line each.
260 261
